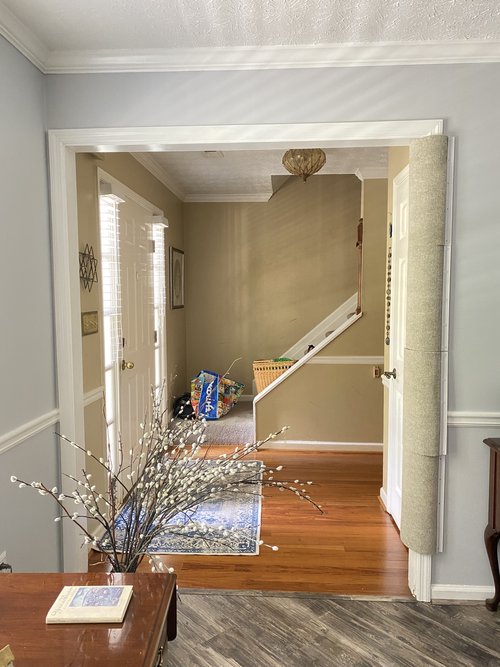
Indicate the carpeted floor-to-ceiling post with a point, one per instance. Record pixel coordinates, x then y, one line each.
422 379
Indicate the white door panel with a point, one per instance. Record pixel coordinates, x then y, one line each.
136 267
398 292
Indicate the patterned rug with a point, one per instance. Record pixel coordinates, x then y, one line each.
240 511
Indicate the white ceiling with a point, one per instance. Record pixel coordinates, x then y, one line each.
125 35
158 24
246 175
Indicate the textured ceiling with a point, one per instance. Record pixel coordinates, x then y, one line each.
163 24
195 175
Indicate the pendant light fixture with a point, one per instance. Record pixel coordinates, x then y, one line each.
303 162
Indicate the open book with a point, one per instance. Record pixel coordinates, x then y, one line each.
90 604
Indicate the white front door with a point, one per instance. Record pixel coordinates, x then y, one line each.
137 369
397 288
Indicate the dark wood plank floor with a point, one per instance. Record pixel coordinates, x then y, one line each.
299 630
353 548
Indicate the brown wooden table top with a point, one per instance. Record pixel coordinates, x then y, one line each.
26 598
494 443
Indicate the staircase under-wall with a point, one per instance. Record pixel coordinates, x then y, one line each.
310 345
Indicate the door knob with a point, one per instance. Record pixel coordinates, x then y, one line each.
390 374
127 365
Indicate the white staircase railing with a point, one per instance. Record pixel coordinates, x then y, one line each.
306 358
324 328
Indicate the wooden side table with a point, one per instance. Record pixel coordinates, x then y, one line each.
139 641
492 530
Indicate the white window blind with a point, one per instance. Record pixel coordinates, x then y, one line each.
110 271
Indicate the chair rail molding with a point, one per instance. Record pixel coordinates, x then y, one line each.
28 430
348 361
93 396
474 419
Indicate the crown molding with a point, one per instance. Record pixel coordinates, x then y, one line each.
149 163
161 174
243 57
273 57
368 173
22 38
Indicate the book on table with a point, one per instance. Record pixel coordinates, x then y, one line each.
90 604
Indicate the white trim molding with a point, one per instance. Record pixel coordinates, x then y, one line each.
260 57
250 137
325 445
273 57
164 177
63 144
460 592
318 333
93 396
161 174
22 38
383 498
28 430
474 419
349 361
306 358
419 575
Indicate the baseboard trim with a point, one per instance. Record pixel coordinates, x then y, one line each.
28 430
383 497
325 445
460 592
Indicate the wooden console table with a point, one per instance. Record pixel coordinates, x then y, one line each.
139 641
492 531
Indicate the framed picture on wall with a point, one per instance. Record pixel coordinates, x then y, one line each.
176 278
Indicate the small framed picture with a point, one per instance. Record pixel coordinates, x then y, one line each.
176 278
90 323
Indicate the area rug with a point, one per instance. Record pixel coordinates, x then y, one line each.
240 511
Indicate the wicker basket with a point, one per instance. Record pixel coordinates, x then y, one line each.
267 370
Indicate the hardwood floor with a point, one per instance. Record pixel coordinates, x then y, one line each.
301 630
353 548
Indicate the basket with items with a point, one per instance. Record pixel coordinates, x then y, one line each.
266 371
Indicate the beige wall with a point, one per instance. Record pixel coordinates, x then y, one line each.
260 275
367 335
341 403
398 158
325 403
128 171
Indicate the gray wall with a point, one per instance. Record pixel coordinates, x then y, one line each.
27 377
468 98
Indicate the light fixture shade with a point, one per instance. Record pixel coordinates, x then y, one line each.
303 161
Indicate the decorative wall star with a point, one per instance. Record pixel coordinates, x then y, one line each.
88 267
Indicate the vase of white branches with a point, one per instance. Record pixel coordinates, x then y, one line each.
168 475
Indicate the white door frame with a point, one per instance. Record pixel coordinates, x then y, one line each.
63 144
